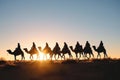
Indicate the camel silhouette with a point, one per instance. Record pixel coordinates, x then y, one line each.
56 51
46 50
16 52
65 50
77 50
32 51
100 49
87 50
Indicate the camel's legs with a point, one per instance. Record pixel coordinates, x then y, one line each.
31 57
15 57
85 55
105 54
51 56
63 56
89 55
99 55
76 55
22 57
55 56
37 56
71 56
92 55
81 54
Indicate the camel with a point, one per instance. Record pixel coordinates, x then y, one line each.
32 51
87 50
77 50
100 49
56 51
46 50
17 52
65 50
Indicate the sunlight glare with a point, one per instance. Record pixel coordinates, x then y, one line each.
42 56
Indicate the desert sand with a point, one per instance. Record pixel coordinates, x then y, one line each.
105 69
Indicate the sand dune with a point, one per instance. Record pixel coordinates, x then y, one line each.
107 69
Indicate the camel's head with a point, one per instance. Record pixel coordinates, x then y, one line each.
40 48
71 47
93 46
9 51
25 49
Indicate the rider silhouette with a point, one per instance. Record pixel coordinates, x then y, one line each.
57 47
65 45
18 47
47 48
78 46
87 46
65 48
56 50
101 44
33 48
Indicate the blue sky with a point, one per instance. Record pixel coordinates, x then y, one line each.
49 21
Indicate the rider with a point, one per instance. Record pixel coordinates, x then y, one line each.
101 45
47 48
87 46
18 47
57 46
78 46
65 46
33 48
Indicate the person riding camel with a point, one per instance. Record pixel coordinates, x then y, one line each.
78 46
87 46
33 48
47 48
65 47
101 45
18 48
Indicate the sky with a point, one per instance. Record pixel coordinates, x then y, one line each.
41 21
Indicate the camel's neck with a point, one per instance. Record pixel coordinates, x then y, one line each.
10 52
40 49
71 48
94 48
26 50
